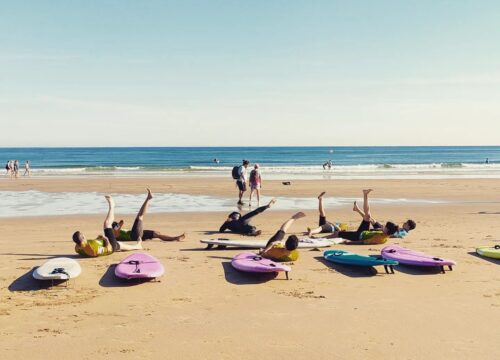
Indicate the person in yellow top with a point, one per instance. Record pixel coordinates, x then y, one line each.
363 235
107 244
276 250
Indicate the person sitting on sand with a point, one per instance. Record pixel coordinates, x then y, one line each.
277 251
407 226
107 244
324 226
363 235
239 224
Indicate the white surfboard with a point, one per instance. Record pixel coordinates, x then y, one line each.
60 268
305 243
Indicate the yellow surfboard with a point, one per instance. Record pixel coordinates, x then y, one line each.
489 251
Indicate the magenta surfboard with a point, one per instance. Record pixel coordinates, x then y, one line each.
416 258
139 266
251 262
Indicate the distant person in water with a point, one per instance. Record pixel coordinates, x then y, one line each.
324 226
137 229
241 182
487 161
27 168
216 160
328 165
255 183
276 250
363 235
107 244
239 224
407 226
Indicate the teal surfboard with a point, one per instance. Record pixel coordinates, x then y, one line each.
349 258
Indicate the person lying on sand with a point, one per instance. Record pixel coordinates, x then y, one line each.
122 234
407 226
276 250
107 244
363 235
239 224
324 226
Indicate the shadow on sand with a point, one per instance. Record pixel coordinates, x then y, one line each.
420 270
351 271
26 282
44 256
476 255
109 279
237 277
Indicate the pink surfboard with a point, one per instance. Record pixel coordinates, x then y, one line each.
251 262
416 258
139 266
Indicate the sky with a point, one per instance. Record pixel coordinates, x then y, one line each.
249 73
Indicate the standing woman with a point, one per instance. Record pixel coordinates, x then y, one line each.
27 168
15 170
255 183
7 168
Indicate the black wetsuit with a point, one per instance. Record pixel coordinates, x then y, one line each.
242 225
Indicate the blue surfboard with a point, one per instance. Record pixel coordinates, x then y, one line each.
349 258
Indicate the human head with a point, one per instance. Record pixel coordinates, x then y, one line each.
390 228
256 166
292 242
234 215
78 238
246 163
409 225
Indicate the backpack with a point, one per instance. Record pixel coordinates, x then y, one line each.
236 172
253 177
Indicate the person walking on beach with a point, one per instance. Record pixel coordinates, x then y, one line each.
8 168
27 168
255 183
277 251
239 224
363 235
241 182
16 168
107 244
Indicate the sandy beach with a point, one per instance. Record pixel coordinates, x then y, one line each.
204 309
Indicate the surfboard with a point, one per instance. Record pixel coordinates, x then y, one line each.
251 262
139 266
415 258
305 243
60 268
489 251
349 258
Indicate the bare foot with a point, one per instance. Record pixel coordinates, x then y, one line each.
110 200
367 191
356 207
298 215
150 196
272 202
321 195
181 237
309 232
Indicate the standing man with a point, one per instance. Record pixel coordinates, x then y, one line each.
242 180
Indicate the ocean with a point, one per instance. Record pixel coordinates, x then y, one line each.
399 162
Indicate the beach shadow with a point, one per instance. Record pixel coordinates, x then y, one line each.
44 256
476 255
237 277
26 282
209 232
351 271
109 279
419 270
488 213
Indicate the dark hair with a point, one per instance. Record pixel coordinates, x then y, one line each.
78 237
411 224
391 228
235 215
292 242
114 225
246 162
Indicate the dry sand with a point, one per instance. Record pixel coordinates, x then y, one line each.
204 309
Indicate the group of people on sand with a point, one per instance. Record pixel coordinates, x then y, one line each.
254 179
115 236
12 168
369 232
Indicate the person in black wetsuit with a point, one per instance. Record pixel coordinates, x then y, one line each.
239 224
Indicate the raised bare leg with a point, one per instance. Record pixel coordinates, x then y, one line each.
144 207
110 217
366 206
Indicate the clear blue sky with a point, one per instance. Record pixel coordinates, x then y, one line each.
174 73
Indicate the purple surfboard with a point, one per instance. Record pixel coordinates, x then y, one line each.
139 266
411 257
251 262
